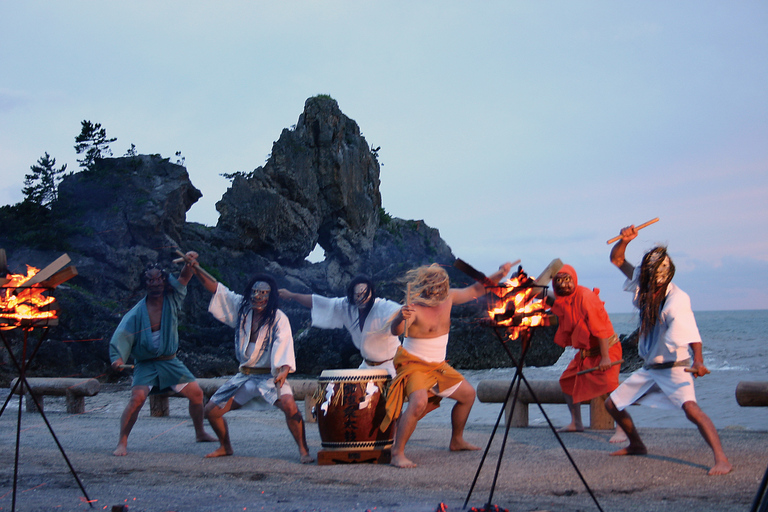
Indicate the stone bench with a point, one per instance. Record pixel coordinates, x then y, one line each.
74 389
303 389
752 393
548 392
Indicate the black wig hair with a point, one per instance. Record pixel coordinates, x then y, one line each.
361 279
652 295
268 317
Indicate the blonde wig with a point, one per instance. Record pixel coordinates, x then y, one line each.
429 285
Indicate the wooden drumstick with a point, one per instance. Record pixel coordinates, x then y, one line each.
590 370
641 226
197 267
407 303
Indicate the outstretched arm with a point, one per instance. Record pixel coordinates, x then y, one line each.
187 271
462 295
304 299
207 280
617 251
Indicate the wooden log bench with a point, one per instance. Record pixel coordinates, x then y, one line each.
303 389
74 389
548 392
752 393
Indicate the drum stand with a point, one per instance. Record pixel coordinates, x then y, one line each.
515 386
21 384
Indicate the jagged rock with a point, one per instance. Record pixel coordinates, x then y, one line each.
321 185
121 203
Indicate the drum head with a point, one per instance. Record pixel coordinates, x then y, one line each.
353 375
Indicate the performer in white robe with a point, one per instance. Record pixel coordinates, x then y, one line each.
362 314
668 332
264 349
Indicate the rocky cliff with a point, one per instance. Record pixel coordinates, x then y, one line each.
320 186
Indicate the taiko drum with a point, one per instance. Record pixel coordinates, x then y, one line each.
350 408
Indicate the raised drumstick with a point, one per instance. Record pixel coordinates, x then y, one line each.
198 268
641 226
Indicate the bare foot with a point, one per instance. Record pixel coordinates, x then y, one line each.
632 450
220 452
618 437
205 437
721 468
307 459
120 451
461 445
399 461
572 427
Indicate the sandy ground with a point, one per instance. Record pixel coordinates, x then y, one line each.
165 469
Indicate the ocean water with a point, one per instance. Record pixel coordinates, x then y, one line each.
734 347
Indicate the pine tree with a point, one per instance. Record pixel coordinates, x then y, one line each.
93 142
41 185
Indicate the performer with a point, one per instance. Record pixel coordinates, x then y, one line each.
362 314
584 325
149 333
667 331
264 349
423 374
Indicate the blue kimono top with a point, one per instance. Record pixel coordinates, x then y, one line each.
133 337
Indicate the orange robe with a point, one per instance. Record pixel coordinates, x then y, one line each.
582 321
414 374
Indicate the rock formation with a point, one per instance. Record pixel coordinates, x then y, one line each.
320 186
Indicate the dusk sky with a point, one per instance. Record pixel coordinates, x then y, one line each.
531 130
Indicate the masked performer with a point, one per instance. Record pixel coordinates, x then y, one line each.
668 332
423 374
584 325
362 314
149 333
264 349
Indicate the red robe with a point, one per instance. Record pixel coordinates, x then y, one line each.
582 321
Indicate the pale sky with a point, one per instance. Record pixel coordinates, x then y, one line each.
531 130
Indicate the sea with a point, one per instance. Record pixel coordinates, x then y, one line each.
734 347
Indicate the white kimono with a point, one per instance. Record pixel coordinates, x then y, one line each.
375 342
668 343
272 348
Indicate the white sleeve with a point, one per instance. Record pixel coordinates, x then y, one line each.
282 346
681 323
329 313
225 305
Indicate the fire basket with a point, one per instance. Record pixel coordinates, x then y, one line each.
26 303
515 308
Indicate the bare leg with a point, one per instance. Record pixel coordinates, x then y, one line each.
619 436
465 399
406 424
576 424
195 395
215 416
708 431
129 417
287 404
624 420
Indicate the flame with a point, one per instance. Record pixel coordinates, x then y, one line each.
20 304
517 308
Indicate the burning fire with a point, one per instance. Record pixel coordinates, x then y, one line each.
517 306
20 304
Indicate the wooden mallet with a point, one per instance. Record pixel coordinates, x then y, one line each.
590 370
198 268
641 226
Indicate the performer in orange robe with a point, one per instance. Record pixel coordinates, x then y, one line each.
584 325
